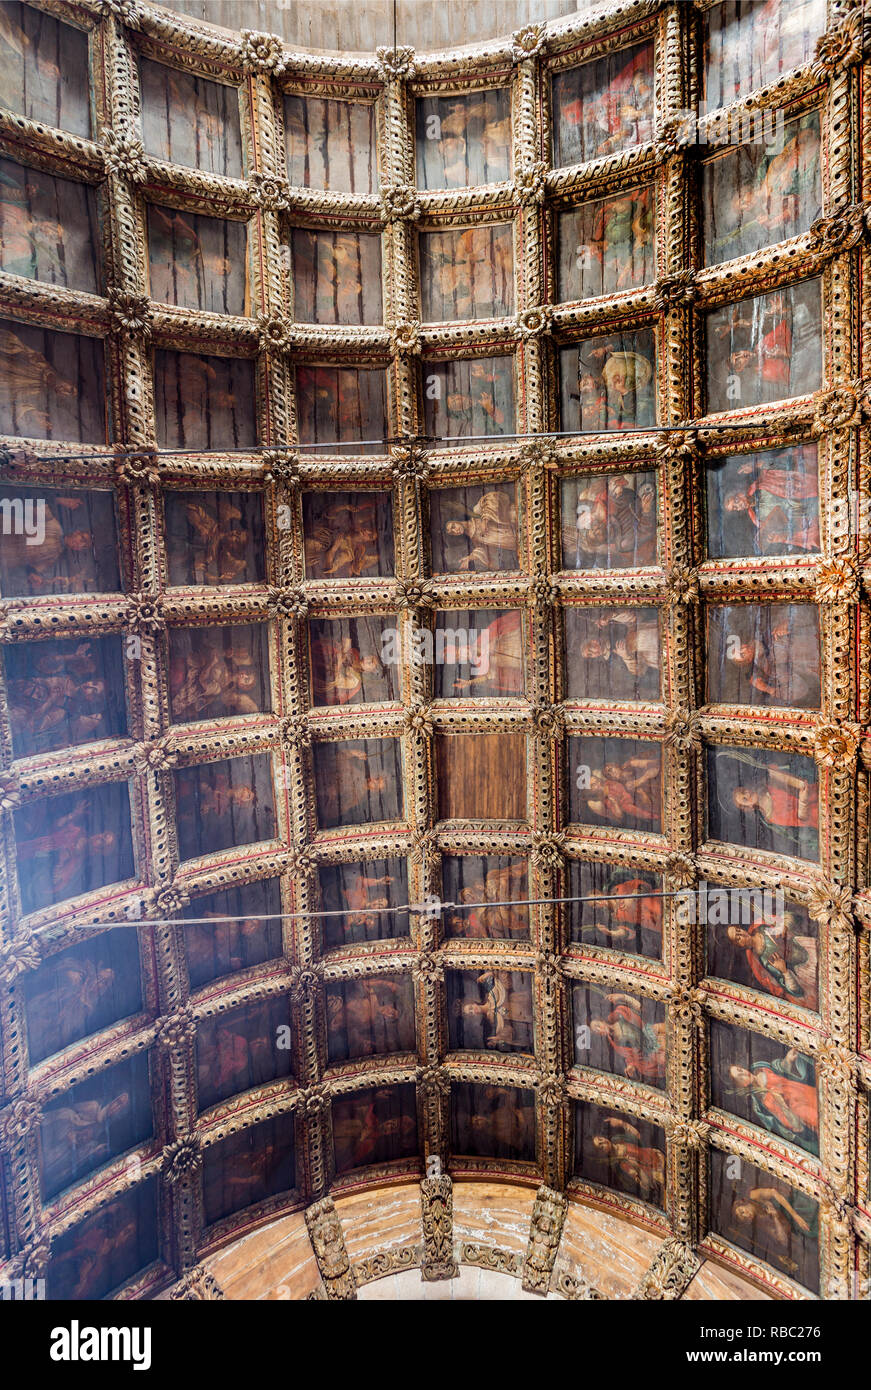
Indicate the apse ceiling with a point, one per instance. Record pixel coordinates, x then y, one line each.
434 691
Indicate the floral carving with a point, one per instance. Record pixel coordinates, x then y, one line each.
830 905
684 729
532 323
182 1159
17 956
10 791
405 338
263 52
418 720
839 48
527 42
837 409
197 1285
125 11
131 313
287 603
434 1080
138 470
17 1120
159 756
837 580
145 613
675 291
177 1029
399 203
269 192
396 64
685 1006
843 229
548 720
274 332
125 156
414 593
837 744
530 182
682 583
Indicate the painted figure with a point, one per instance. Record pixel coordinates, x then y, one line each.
505 1010
370 1016
639 1044
606 246
641 1167
216 672
609 521
782 1096
768 348
604 106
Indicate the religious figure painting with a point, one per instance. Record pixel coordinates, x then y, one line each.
341 406
474 529
365 893
467 274
248 1167
620 1033
765 1082
71 844
220 946
493 1121
607 245
612 653
63 693
225 803
468 398
57 541
214 537
358 781
764 504
609 382
87 1126
49 228
490 1010
756 194
330 144
766 1217
216 672
608 521
767 348
52 385
44 69
765 947
91 1259
336 276
616 781
189 120
242 1048
487 893
478 653
353 660
620 1151
369 1017
765 800
463 141
197 262
81 990
204 402
375 1125
764 654
621 909
348 535
481 776
751 42
604 106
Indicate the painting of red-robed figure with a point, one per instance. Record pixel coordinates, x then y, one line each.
487 893
620 1151
768 348
248 1167
370 1017
603 107
87 1126
616 781
764 800
490 1010
765 1082
359 899
621 1033
608 520
764 504
478 653
243 929
612 653
766 1217
493 1121
777 952
72 844
57 541
64 693
620 909
242 1048
80 990
376 1125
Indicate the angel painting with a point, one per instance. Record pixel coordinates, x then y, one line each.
93 1122
336 276
189 120
358 781
44 69
375 1125
330 144
63 693
197 262
487 896
620 909
621 1033
764 800
57 541
370 1017
80 990
606 246
616 782
468 398
749 46
493 1121
612 653
490 1010
242 928
609 382
107 1248
764 504
474 528
242 1048
49 228
71 844
764 654
463 141
348 535
478 653
765 1216
353 660
756 1078
617 1151
467 274
361 901
768 348
248 1167
225 803
603 107
214 537
609 520
52 385
753 196
344 406
218 671
776 952
204 402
